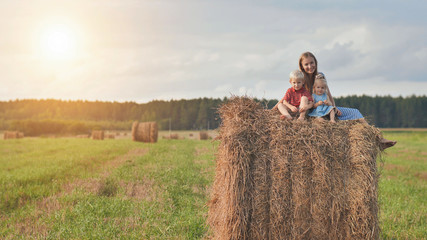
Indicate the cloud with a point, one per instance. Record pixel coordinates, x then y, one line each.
144 50
376 53
224 88
378 86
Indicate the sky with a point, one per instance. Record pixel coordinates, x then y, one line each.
129 50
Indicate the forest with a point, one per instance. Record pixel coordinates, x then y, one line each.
50 116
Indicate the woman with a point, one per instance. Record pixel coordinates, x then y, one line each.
308 65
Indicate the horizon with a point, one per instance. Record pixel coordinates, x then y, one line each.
189 99
141 51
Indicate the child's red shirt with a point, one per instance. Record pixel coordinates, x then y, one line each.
294 97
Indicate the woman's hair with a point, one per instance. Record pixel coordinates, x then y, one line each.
320 79
309 81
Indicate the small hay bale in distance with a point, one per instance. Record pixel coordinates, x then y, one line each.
145 132
82 136
98 135
203 135
13 135
278 179
10 135
174 136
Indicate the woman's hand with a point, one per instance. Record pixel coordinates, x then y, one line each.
339 113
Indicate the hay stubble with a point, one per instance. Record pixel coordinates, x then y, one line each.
293 180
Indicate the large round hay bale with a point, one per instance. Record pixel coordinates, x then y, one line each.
278 179
145 132
154 132
203 135
134 129
98 135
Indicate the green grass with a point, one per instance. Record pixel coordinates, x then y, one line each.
32 168
403 188
159 192
118 189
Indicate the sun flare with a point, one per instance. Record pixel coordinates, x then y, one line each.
58 42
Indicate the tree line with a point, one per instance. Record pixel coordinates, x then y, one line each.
35 117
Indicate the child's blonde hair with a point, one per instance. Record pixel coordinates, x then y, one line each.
320 79
296 74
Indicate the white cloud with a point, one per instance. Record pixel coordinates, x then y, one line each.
377 86
224 88
245 91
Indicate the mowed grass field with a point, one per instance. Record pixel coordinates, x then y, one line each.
70 188
403 186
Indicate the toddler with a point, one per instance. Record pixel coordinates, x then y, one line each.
297 98
322 103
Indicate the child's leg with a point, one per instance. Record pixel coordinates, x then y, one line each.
284 110
332 115
303 105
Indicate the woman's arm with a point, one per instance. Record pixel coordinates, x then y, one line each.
331 99
329 95
328 101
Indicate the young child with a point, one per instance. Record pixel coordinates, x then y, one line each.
297 98
322 104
